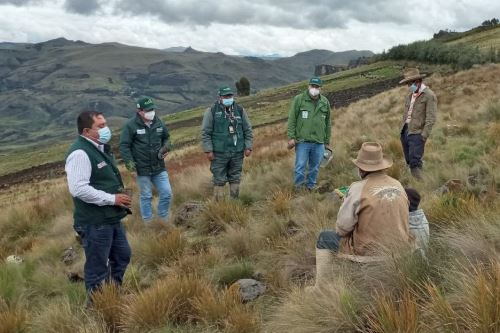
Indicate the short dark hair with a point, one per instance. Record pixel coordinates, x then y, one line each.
413 197
86 120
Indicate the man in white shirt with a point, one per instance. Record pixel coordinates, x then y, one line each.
95 185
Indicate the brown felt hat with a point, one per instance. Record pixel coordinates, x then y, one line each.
370 158
411 74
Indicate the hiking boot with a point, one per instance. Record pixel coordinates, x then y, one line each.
219 193
234 190
417 173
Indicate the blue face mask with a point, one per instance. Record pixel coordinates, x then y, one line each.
227 101
104 135
413 88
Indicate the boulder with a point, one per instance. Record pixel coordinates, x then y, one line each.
452 186
249 289
69 255
186 213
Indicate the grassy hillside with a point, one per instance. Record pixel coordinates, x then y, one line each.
484 40
264 107
178 278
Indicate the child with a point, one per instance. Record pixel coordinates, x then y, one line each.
419 227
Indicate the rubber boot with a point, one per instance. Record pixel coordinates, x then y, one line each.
416 173
234 190
218 193
324 262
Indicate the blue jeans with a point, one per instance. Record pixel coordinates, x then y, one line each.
307 154
162 184
328 240
413 148
107 253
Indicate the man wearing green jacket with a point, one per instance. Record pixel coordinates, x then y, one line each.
143 147
96 187
226 135
309 131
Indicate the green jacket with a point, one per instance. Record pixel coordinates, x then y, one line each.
215 134
309 120
423 115
105 177
140 144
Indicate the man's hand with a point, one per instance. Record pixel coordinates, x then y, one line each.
291 144
123 200
133 174
210 155
328 147
248 152
162 153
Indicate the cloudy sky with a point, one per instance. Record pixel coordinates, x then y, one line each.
241 27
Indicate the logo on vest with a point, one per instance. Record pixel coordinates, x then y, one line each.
101 165
141 131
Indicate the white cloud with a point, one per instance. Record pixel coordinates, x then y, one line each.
240 27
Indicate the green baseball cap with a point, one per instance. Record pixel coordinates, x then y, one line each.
146 103
316 81
225 91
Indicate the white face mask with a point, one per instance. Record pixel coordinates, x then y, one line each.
313 92
149 115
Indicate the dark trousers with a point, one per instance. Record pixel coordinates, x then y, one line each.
226 167
413 148
107 253
328 240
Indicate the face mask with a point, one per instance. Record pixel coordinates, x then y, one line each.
413 88
104 135
227 101
313 92
149 115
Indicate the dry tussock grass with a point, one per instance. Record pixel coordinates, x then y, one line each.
171 300
216 215
334 308
225 311
12 319
154 249
108 303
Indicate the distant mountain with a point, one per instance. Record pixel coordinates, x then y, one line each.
306 62
175 49
44 86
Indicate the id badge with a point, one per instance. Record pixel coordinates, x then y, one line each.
305 114
231 129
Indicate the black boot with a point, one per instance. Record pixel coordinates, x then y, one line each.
417 173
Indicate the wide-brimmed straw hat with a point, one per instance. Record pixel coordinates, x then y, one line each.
370 158
411 74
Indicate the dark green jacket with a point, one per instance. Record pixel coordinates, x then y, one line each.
215 134
104 177
309 120
139 146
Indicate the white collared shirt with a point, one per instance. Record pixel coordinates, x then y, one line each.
78 170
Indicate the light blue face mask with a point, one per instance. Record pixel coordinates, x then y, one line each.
413 88
104 134
227 101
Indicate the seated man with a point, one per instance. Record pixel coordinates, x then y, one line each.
373 216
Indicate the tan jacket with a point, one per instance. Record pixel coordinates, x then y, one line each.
374 214
424 112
